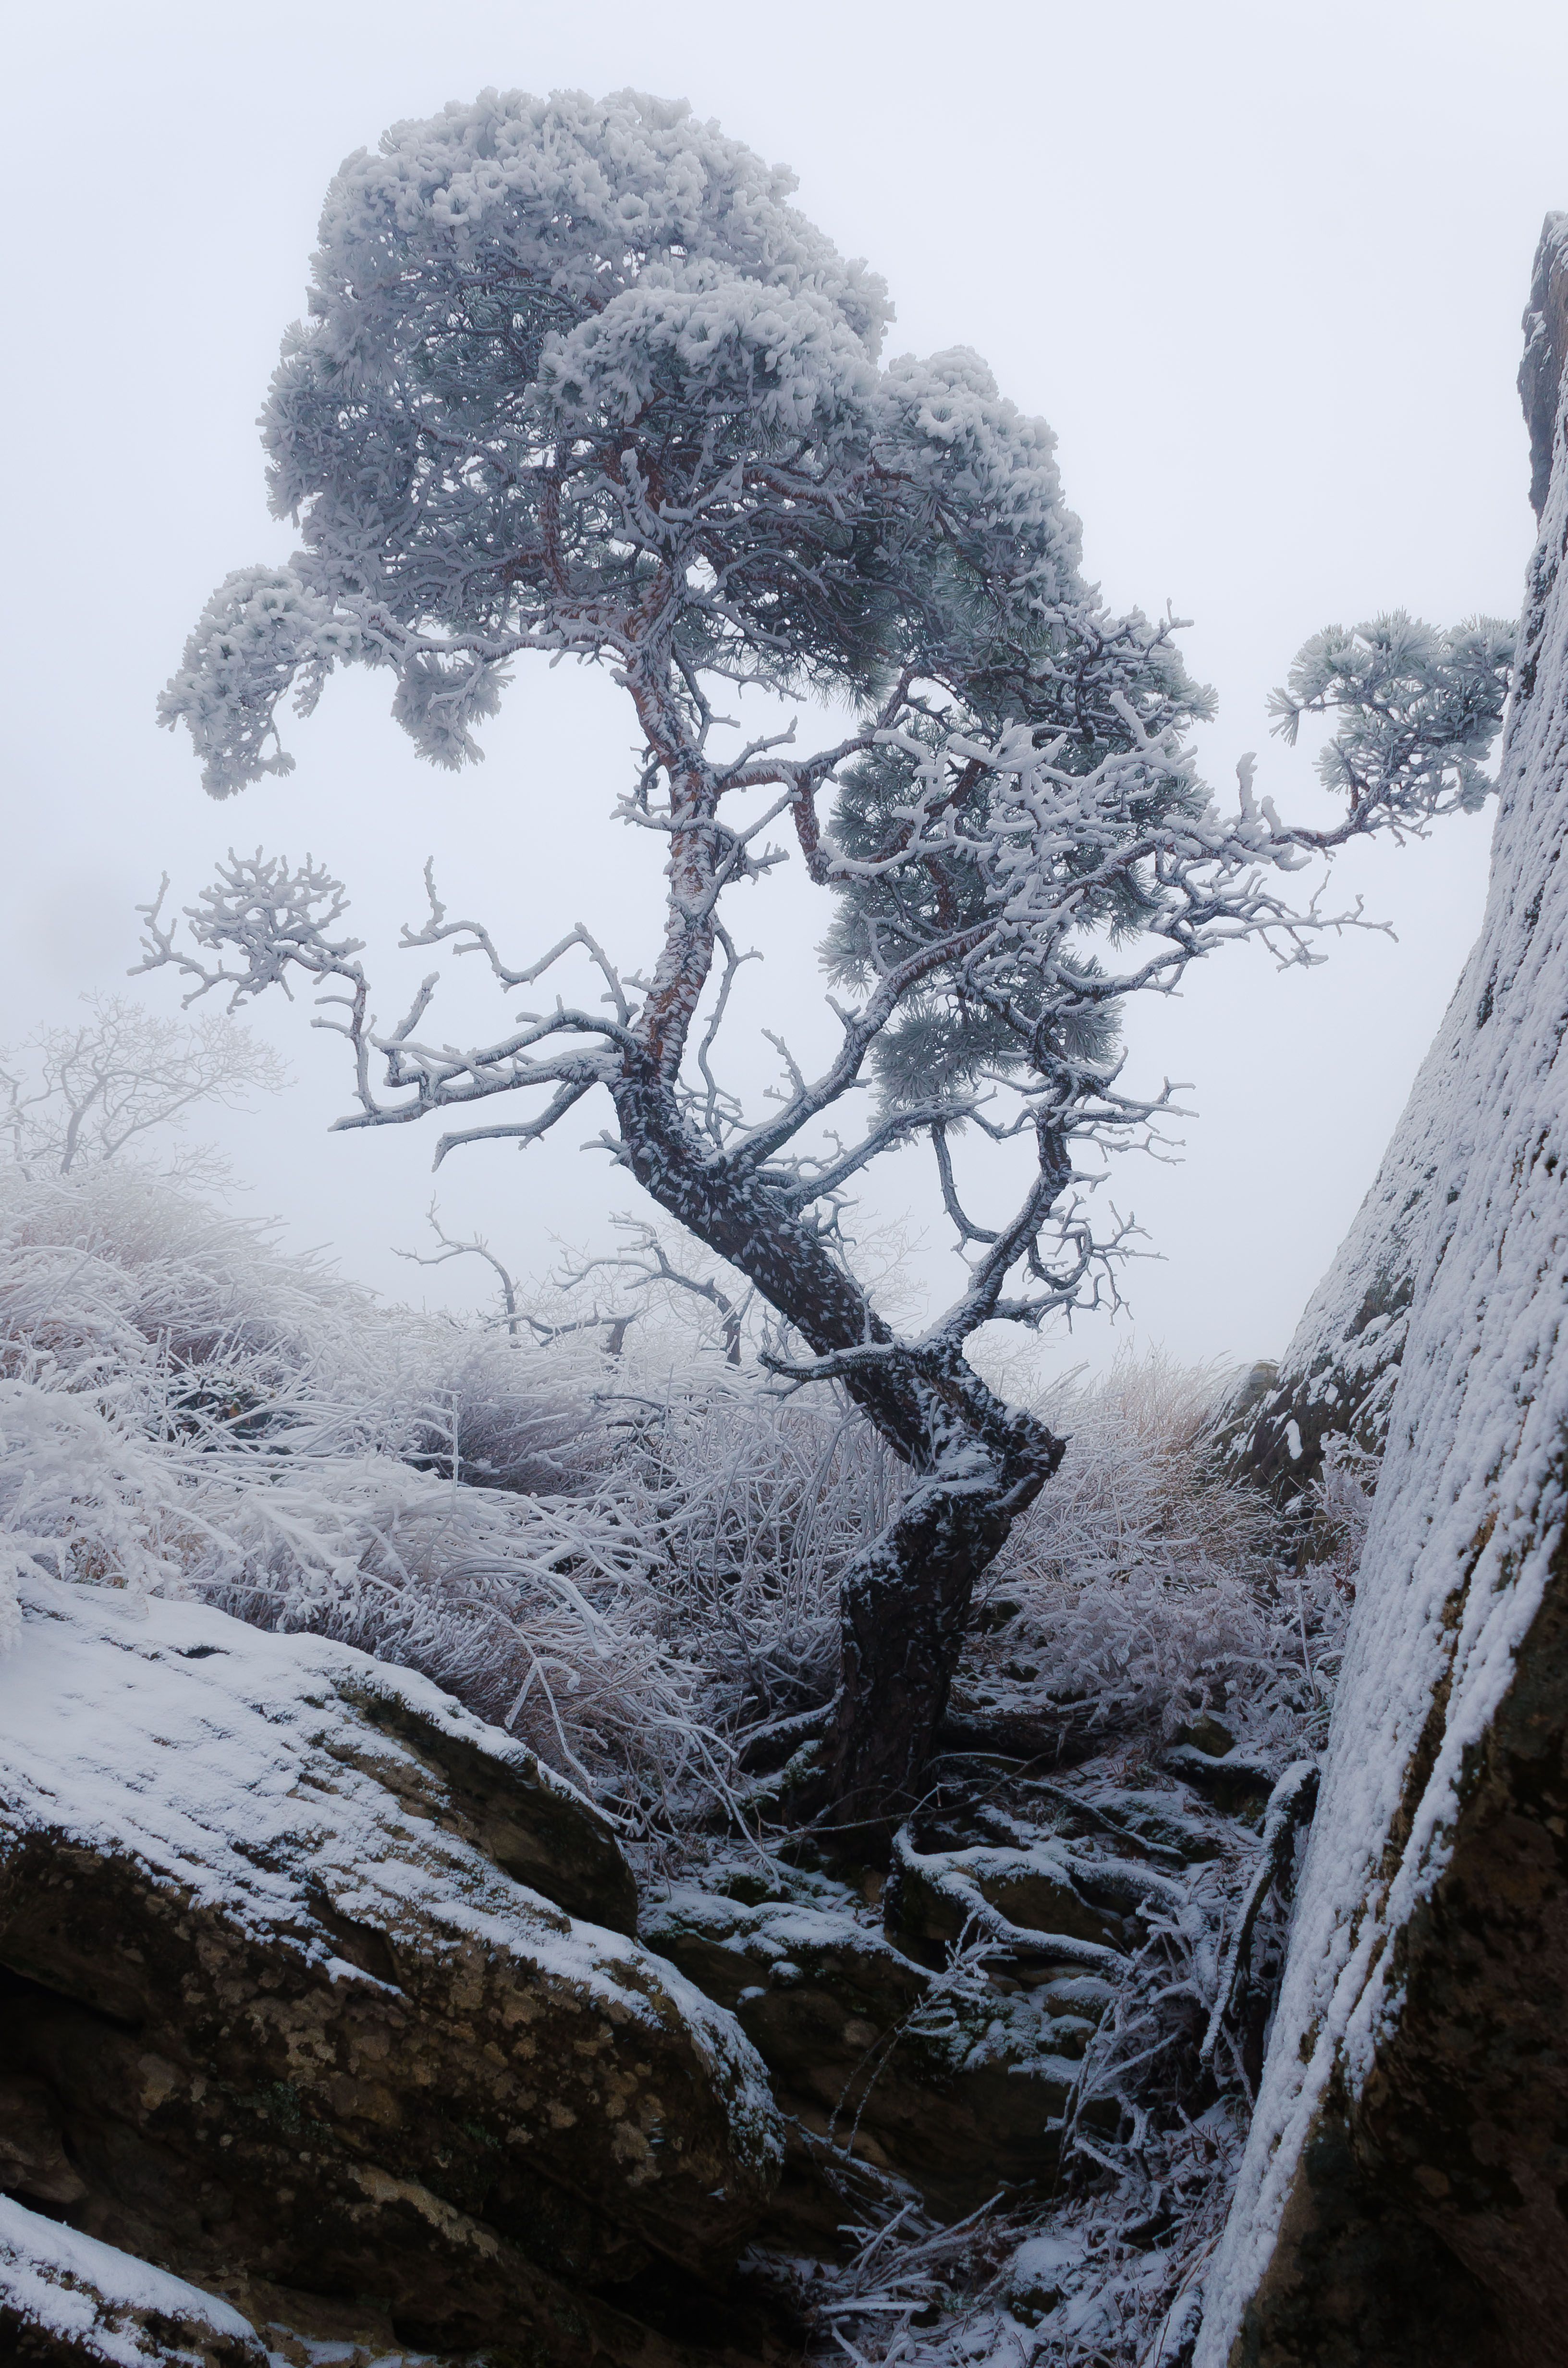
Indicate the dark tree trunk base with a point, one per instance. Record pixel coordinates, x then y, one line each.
905 1607
906 1598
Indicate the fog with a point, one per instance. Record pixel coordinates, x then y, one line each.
1262 269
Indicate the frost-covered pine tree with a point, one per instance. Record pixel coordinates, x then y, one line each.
577 381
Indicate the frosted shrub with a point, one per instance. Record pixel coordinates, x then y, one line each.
761 1504
186 1408
1145 1589
81 1501
117 1283
537 1613
630 1560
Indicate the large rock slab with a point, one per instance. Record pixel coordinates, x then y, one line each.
955 2089
1403 2197
278 2005
1338 1375
1339 1372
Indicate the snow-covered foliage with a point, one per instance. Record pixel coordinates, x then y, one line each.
773 1498
1144 1591
630 1559
621 1558
576 380
183 1408
1133 1592
1416 706
586 343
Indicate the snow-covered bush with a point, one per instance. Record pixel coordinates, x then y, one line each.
761 1504
80 1499
1146 1589
185 1407
632 1560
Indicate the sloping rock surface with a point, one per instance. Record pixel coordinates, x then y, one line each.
278 2006
1340 1371
65 2298
1403 2197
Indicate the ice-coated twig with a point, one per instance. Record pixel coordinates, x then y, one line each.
1290 1805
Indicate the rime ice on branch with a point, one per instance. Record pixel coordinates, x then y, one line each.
577 381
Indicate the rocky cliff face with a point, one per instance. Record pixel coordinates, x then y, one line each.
1339 1372
313 1984
1404 2192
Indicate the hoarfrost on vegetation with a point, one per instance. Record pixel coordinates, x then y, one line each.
1146 1588
73 1097
638 1567
627 1560
577 381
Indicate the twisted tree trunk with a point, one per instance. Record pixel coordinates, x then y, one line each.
905 1598
905 1608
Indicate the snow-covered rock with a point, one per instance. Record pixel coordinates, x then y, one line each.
290 1990
1339 1372
1403 2197
66 2298
879 2042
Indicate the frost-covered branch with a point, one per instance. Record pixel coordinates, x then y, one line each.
477 1247
645 1265
1418 711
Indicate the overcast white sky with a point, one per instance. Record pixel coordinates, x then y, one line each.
1261 267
